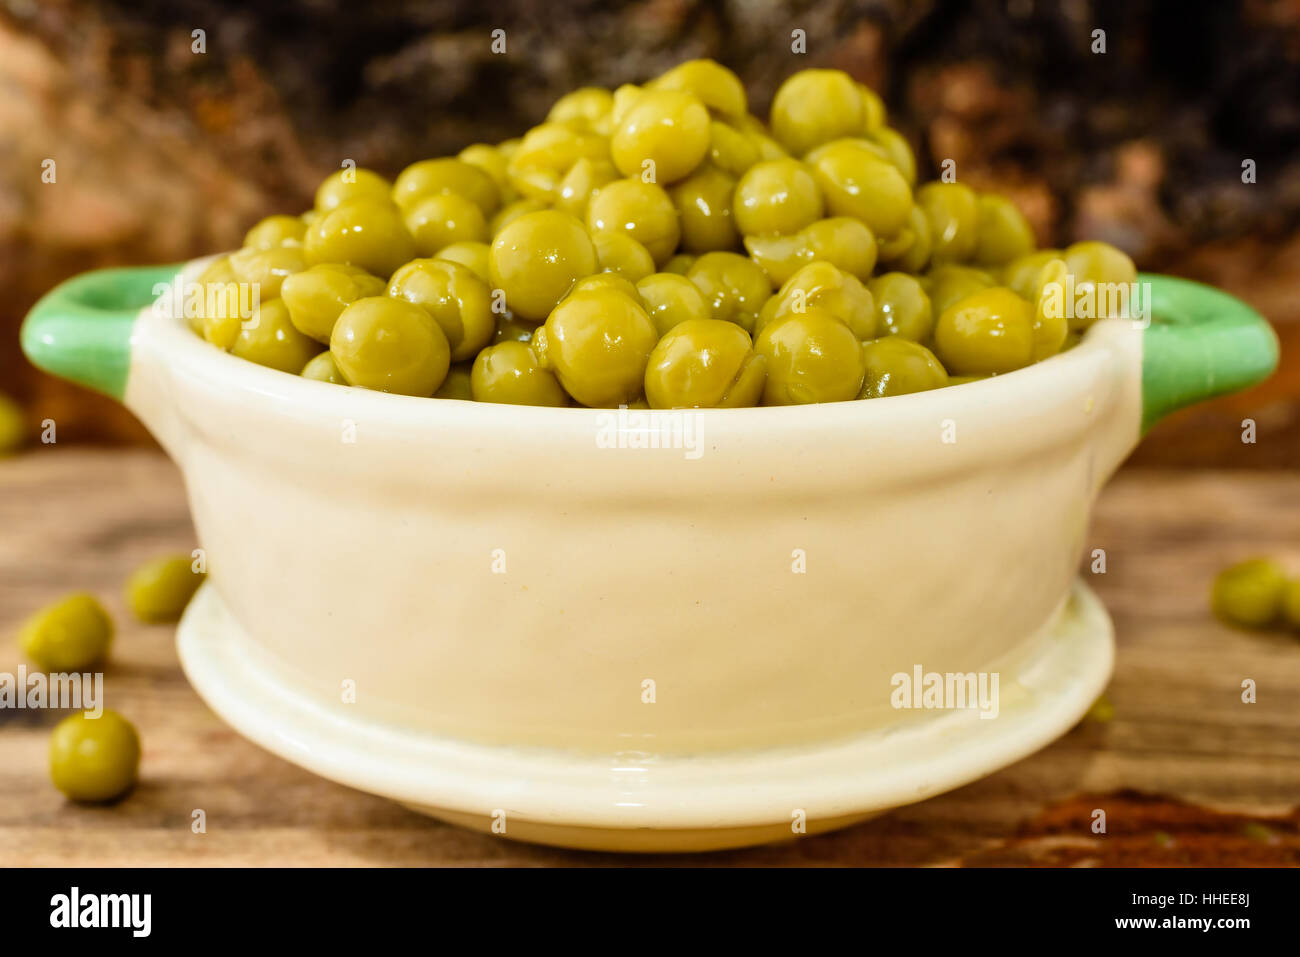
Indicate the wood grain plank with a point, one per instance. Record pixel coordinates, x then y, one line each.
1186 772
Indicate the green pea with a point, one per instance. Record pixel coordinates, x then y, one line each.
842 241
704 364
510 373
1103 267
1023 272
509 213
949 284
990 331
898 366
873 109
1291 603
159 590
547 154
368 235
70 635
777 198
1094 261
621 254
823 286
513 329
858 183
271 340
608 280
912 247
315 297
897 149
845 243
446 175
1051 327
13 427
437 220
346 185
457 383
670 299
641 210
458 300
768 148
953 212
323 368
597 344
811 357
816 106
94 759
585 107
1003 233
731 150
703 205
536 259
473 256
220 310
1102 711
734 287
903 306
267 269
276 231
581 183
716 87
390 345
680 264
1249 593
491 160
664 130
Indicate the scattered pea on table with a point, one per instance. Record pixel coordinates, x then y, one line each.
70 635
94 759
1255 594
159 590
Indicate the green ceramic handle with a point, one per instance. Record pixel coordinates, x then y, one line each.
81 329
1201 343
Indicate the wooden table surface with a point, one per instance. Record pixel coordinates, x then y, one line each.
1186 772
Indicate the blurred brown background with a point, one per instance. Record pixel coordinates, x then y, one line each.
163 154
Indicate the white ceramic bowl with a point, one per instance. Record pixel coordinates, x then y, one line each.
532 586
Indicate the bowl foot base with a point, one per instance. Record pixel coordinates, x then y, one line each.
647 840
659 802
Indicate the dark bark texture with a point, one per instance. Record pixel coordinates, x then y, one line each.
163 153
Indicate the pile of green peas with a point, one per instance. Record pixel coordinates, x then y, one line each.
658 246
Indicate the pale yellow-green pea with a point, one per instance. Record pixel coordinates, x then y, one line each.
159 590
13 427
94 759
68 636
